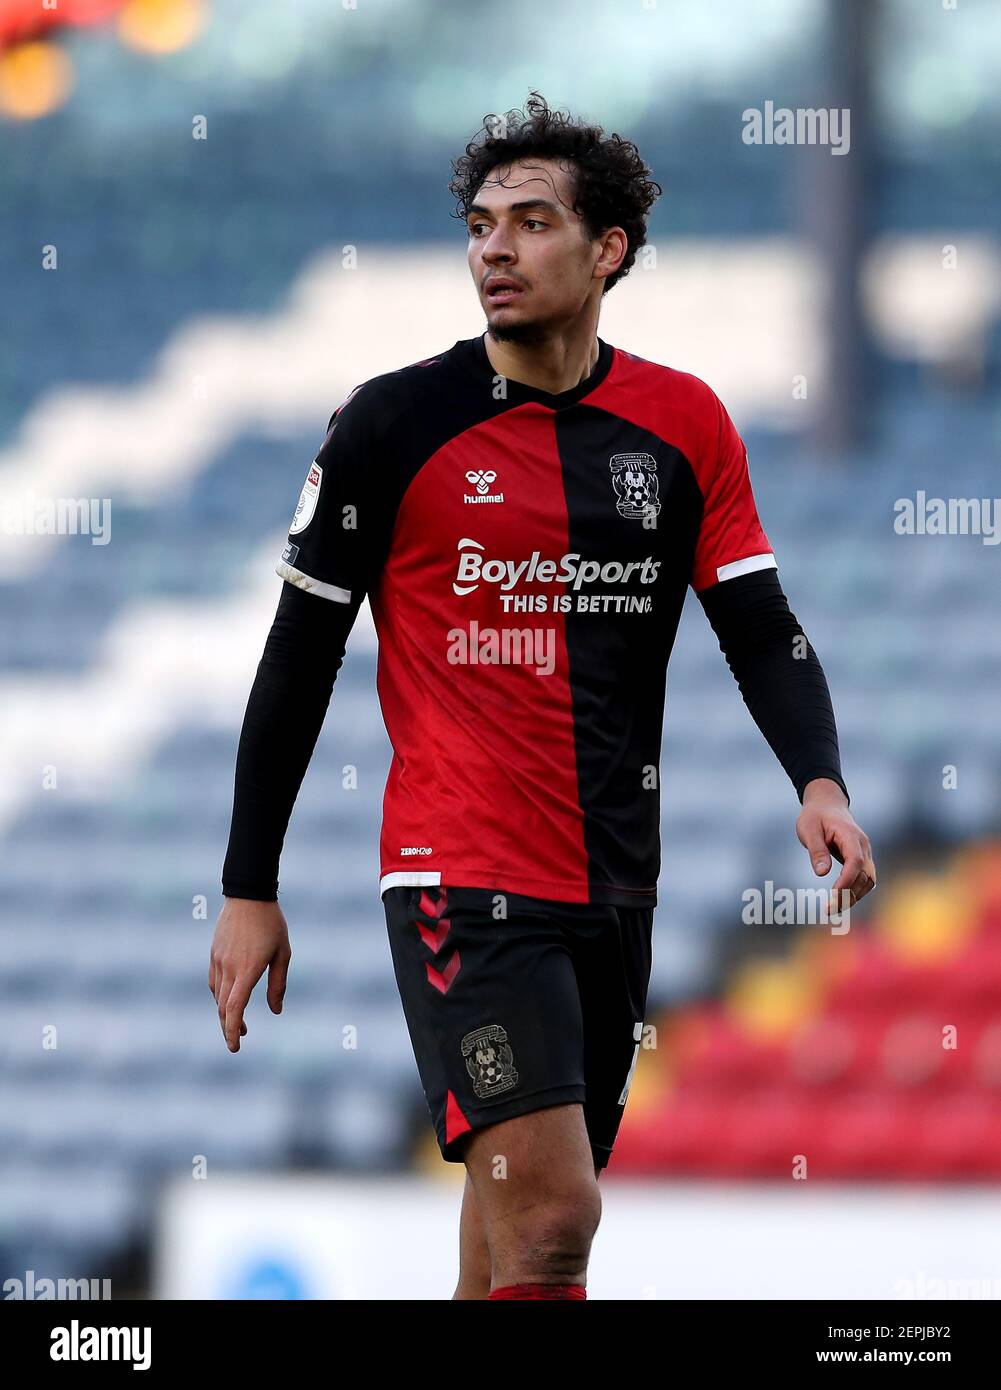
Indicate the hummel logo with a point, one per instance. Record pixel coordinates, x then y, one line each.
481 480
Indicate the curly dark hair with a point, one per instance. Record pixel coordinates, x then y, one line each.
611 183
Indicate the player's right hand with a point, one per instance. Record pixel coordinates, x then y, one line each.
250 937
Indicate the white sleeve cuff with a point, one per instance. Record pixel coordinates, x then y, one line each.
312 586
748 566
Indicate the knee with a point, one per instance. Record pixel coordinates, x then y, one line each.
556 1234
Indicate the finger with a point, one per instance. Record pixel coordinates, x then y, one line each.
848 897
816 847
849 875
212 973
235 1005
862 885
849 843
222 998
278 979
868 865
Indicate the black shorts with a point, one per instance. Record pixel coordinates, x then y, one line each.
510 1016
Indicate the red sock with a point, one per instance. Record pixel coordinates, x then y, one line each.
540 1291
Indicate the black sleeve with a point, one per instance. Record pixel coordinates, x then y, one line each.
284 715
339 535
779 675
337 542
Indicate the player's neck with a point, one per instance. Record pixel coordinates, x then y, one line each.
557 364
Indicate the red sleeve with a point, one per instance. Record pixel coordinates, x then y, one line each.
731 539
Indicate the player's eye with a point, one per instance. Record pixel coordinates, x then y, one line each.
474 227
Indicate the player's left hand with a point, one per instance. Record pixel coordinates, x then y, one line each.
826 826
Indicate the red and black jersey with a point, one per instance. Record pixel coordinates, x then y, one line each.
526 557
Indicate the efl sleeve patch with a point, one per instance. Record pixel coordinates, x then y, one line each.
337 540
307 499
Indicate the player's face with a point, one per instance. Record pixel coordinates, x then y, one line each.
528 253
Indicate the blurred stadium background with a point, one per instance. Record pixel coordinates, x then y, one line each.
216 219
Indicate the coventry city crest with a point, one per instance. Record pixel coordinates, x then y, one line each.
634 477
489 1060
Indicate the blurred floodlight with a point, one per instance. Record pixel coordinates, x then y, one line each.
35 79
161 26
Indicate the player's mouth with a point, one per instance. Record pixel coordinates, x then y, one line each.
499 290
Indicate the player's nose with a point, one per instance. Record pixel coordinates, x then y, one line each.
496 248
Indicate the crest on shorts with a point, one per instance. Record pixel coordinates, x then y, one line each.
489 1060
634 477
